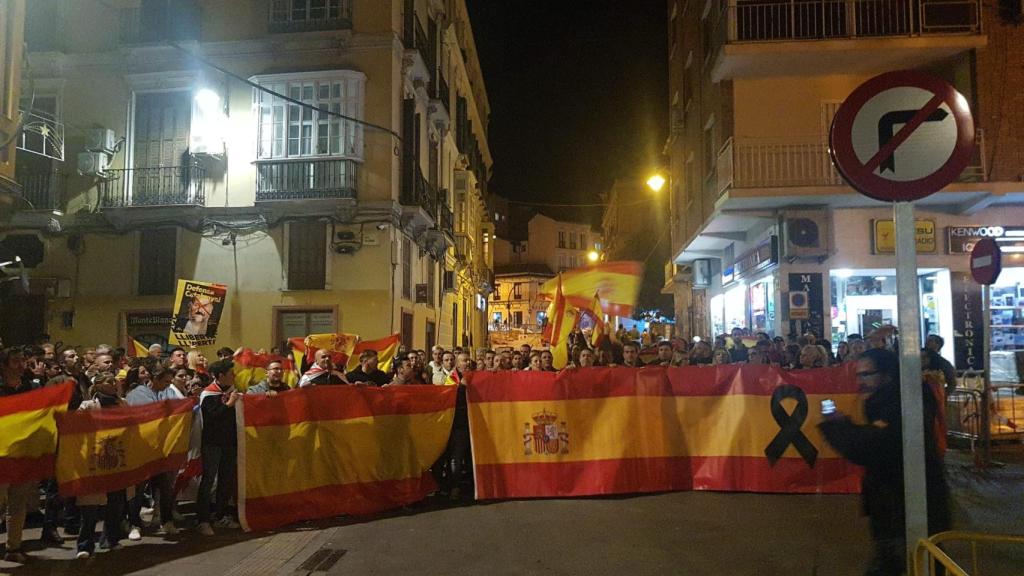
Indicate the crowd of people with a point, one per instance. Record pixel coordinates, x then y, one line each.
105 377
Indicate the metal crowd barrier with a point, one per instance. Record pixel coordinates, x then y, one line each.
984 414
928 554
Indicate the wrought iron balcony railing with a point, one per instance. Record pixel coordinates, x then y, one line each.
159 186
159 21
417 192
305 179
310 15
445 219
443 92
771 21
44 190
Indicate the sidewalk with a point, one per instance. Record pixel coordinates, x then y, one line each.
692 533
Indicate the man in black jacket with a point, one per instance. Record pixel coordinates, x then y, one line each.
878 447
220 445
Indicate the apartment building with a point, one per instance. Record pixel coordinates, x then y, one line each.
12 25
327 160
759 213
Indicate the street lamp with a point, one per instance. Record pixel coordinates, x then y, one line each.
656 182
593 256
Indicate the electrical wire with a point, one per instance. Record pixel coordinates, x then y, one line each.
266 90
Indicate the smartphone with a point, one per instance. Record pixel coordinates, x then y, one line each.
828 407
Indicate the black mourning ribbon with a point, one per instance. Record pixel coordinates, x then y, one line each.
789 426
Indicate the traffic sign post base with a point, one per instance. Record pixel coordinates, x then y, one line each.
908 301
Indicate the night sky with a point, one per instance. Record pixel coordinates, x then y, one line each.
578 95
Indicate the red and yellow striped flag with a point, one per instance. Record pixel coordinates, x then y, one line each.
385 347
28 433
561 320
136 349
323 451
251 367
617 284
621 430
110 449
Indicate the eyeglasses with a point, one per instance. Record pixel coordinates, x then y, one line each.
867 373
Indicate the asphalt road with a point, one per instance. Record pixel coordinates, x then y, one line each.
674 533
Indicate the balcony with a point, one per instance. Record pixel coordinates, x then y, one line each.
463 246
43 190
159 186
420 59
306 180
446 220
802 37
310 15
418 199
799 162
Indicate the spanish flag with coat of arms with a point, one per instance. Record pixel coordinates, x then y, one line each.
106 450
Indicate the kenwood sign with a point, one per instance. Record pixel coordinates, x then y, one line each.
962 238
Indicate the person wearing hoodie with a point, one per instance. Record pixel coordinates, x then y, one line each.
154 390
219 446
878 447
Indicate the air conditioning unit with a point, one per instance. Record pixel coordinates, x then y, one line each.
806 234
100 140
93 163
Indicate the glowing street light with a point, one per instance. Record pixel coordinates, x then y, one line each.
593 256
656 182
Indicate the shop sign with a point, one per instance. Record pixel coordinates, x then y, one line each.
765 255
968 336
963 238
811 284
159 319
884 235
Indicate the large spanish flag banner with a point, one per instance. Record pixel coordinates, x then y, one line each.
324 451
28 433
621 430
105 450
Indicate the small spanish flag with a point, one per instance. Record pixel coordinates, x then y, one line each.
28 433
251 367
385 347
136 349
105 450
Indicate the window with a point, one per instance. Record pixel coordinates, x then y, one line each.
430 335
307 255
157 273
517 318
406 268
561 239
572 240
407 329
288 130
561 263
517 291
300 15
431 281
299 323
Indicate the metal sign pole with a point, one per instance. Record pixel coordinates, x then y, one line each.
908 303
986 381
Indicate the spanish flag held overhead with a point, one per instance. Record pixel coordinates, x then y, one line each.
323 451
136 349
386 349
251 367
28 433
562 319
617 284
105 450
621 430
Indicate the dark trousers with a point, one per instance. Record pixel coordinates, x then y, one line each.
112 514
52 504
219 464
162 484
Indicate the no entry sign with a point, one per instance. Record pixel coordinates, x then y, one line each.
902 136
986 261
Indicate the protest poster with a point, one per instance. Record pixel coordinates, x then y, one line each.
198 307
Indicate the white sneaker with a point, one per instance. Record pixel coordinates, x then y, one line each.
135 534
205 529
170 529
83 555
227 522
